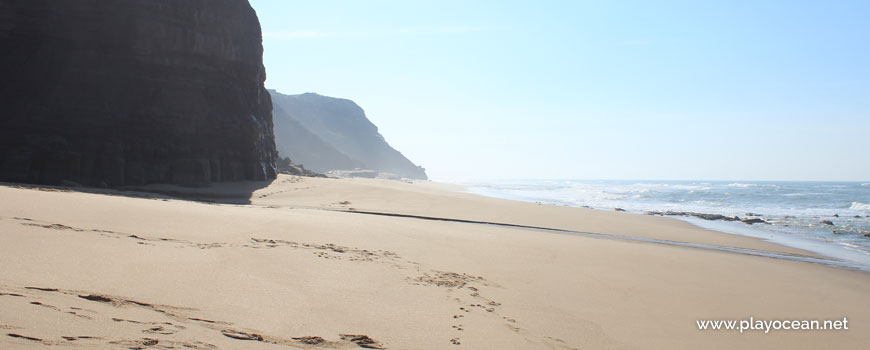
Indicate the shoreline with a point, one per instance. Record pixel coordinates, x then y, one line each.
748 252
828 249
717 222
302 266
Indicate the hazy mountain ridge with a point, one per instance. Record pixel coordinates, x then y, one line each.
344 127
307 148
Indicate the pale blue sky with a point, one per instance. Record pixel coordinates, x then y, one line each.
727 90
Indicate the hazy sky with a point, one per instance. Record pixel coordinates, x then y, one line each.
730 90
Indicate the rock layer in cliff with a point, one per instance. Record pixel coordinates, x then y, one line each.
133 92
344 139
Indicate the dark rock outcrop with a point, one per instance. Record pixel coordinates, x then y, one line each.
285 166
697 215
133 92
852 231
753 221
327 134
712 217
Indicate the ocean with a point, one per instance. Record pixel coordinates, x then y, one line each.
829 218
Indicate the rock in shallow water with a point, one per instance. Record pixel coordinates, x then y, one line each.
132 92
697 215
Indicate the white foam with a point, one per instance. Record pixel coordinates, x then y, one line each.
747 185
860 206
742 185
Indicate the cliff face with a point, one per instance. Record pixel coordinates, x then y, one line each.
133 92
342 125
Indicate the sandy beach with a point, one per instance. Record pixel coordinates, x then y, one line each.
315 263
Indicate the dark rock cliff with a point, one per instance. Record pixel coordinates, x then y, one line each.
342 125
133 92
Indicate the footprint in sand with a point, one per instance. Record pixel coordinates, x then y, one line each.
310 340
19 336
81 337
164 329
362 341
230 333
55 308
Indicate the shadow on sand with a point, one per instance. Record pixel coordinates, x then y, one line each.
221 192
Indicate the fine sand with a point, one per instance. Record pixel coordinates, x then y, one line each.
305 263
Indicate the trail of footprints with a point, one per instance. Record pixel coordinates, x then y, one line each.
293 179
462 288
457 287
159 335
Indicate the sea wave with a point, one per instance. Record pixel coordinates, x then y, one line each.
646 186
860 206
804 194
742 185
866 184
